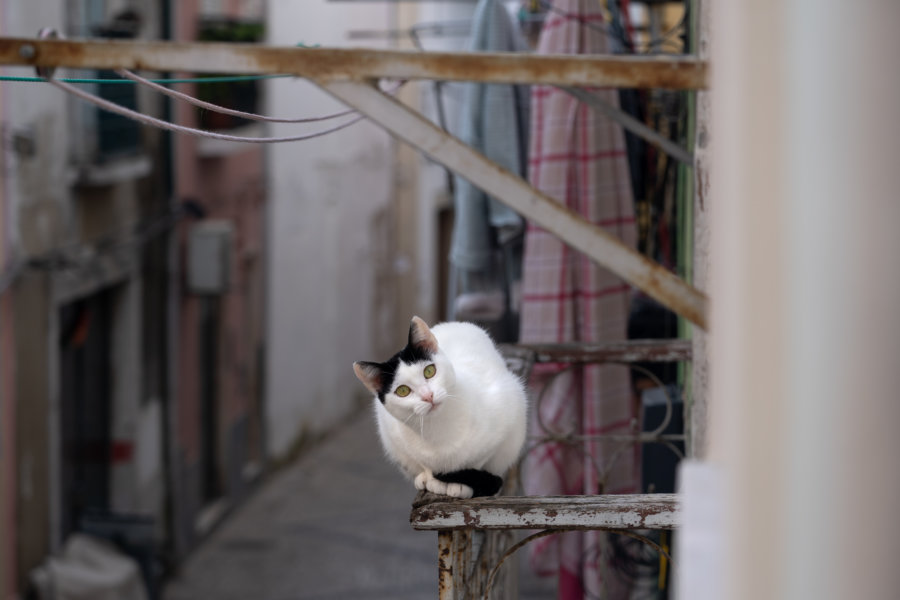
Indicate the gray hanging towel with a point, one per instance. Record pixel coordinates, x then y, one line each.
494 120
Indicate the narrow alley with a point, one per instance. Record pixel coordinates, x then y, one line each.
333 524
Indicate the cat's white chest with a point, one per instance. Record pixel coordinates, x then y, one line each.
438 442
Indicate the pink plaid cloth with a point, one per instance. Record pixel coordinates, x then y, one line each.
577 156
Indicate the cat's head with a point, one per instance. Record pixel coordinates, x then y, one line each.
417 380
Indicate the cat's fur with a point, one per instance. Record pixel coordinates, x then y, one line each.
458 431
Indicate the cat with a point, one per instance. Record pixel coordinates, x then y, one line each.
449 412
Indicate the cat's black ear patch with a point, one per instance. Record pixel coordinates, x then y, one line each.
420 336
371 374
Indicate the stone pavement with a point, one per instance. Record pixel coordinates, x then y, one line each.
333 525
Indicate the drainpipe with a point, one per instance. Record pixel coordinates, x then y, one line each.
169 420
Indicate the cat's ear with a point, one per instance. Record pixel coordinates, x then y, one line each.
421 337
370 374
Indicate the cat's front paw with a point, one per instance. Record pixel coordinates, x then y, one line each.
436 486
459 490
422 479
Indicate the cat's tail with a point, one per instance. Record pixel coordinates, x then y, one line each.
482 483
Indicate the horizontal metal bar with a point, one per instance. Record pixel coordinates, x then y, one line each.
331 64
674 350
632 511
568 226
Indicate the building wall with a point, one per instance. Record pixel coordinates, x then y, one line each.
32 447
59 204
217 431
7 393
36 211
8 526
354 228
331 238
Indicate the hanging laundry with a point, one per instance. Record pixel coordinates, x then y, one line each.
578 157
486 247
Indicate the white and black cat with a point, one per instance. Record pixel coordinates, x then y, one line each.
449 412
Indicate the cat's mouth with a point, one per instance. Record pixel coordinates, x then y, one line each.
426 408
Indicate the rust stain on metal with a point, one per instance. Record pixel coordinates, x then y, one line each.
339 63
445 564
657 282
472 519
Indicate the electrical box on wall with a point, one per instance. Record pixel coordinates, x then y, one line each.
209 257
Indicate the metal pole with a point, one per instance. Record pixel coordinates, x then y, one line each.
446 559
330 64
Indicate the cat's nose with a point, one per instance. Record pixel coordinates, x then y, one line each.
427 397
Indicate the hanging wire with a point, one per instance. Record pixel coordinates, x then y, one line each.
47 74
169 81
129 76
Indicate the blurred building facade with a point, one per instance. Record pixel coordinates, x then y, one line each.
131 312
179 314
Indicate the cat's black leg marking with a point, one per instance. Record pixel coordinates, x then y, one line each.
482 483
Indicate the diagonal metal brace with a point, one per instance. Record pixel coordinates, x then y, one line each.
633 125
601 247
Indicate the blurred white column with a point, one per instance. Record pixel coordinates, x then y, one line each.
805 335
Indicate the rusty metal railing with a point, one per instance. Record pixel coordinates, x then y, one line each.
477 536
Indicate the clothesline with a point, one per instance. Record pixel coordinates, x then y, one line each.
128 75
148 120
47 75
164 81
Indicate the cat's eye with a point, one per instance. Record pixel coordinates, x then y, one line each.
403 391
430 370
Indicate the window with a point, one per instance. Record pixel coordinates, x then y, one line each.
240 95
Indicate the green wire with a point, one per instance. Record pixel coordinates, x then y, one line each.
226 79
